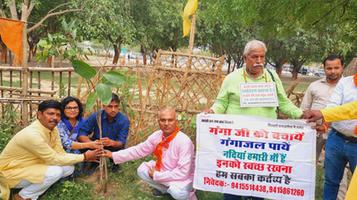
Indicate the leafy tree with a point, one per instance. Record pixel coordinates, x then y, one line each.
291 29
158 24
330 23
108 21
61 44
277 55
220 29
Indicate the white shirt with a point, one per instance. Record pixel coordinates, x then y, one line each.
345 92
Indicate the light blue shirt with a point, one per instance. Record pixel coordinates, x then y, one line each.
345 92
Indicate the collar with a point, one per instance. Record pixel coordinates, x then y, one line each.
105 116
323 80
163 137
249 77
42 127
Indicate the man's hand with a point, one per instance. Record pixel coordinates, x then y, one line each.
312 115
208 111
322 128
107 142
151 172
96 145
107 153
92 156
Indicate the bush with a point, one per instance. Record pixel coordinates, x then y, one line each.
7 125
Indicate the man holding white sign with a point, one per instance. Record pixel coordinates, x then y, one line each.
253 90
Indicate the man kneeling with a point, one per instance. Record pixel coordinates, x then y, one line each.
34 158
172 172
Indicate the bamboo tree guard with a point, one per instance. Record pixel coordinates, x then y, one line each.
172 81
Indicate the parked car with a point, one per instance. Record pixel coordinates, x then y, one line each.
320 73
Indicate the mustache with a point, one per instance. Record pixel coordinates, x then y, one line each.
258 65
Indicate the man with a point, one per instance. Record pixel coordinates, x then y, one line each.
34 158
317 96
341 145
172 172
344 112
230 101
114 125
318 93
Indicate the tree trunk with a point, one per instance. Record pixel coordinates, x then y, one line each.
143 53
279 66
32 41
51 61
32 51
294 75
229 59
3 52
117 49
297 64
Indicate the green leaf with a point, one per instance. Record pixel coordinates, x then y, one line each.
71 53
91 101
104 93
114 77
83 69
42 43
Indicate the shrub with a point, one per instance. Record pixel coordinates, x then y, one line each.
7 125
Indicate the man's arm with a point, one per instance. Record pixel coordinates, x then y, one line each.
135 152
120 141
39 147
345 112
123 132
107 142
86 128
221 103
306 102
285 105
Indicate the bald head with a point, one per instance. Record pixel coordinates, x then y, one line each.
167 109
167 120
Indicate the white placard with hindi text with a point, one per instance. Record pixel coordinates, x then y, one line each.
255 156
258 95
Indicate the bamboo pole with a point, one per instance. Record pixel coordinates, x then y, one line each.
192 33
25 110
184 82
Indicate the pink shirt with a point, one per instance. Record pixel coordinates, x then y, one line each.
178 158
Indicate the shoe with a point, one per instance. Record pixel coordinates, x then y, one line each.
116 168
157 193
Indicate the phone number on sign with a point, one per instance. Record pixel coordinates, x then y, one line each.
267 189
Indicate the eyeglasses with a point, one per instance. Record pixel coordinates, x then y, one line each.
71 108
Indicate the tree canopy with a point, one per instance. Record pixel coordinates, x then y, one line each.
297 32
